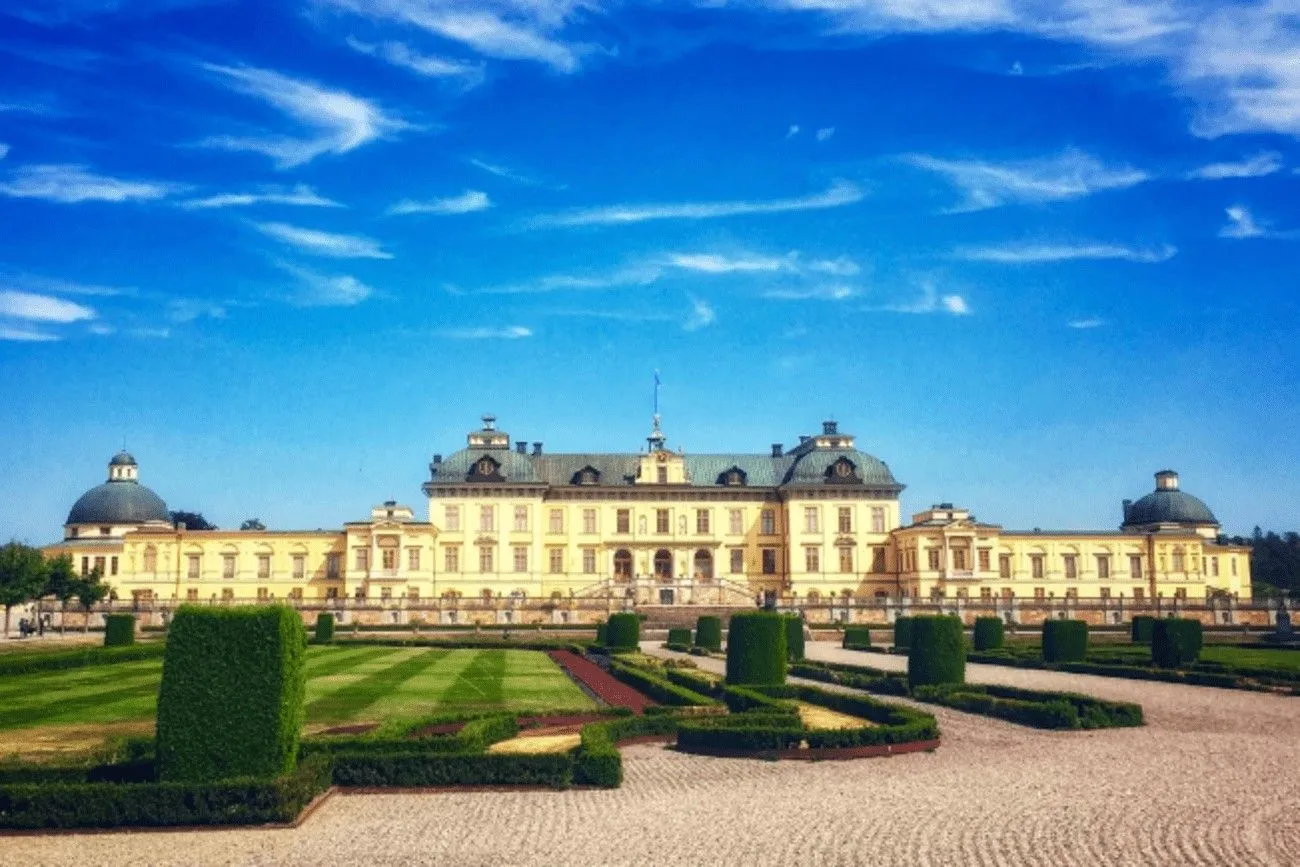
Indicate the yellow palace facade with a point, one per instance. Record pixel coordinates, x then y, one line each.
819 522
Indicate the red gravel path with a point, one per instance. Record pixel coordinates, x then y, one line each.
606 687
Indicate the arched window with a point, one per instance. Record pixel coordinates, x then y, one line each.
703 565
623 565
486 594
814 597
151 559
664 564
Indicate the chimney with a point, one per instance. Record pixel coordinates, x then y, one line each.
1126 506
776 450
437 459
521 446
537 448
803 439
830 427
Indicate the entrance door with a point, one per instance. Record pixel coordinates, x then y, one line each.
664 565
665 596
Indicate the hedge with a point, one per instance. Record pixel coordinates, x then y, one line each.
740 699
856 637
1141 628
708 633
879 682
756 650
1065 640
623 632
656 687
680 636
988 633
119 630
239 801
475 736
1175 642
80 657
692 681
902 633
794 643
231 699
460 769
598 761
937 653
602 633
324 627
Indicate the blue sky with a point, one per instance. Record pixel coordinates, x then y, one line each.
285 251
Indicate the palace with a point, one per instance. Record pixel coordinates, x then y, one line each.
814 523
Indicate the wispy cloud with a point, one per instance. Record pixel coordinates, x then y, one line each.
713 263
333 121
701 315
299 195
509 332
634 275
24 334
792 131
55 286
833 292
70 184
4 150
320 243
506 172
465 75
1083 324
825 133
1070 175
839 194
467 202
185 310
314 289
1242 224
930 300
42 308
1035 254
1253 167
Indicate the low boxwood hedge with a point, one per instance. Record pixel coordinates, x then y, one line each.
598 761
656 686
680 635
708 633
602 633
902 633
459 769
856 637
691 680
60 660
324 627
475 736
794 641
756 649
988 634
119 630
1141 628
1175 642
870 680
937 654
1065 640
623 631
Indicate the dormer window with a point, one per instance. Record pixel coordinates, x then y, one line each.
485 467
842 471
588 475
734 477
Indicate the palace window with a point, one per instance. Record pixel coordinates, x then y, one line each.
486 559
413 559
589 561
1180 560
227 594
99 565
192 566
1135 565
1036 565
1040 593
263 594
662 475
959 558
1234 567
296 594
151 559
623 521
878 558
768 522
812 559
451 558
389 558
451 517
589 521
1004 565
332 564
736 522
1180 592
986 593
810 520
702 521
263 565
486 524
877 519
85 565
846 519
385 592
521 519
363 558
299 567
769 561
1105 592
1072 593
1103 566
192 594
556 524
413 593
661 521
227 566
1071 564
1138 594
521 559
557 561
1008 593
984 559
932 559
846 560
737 561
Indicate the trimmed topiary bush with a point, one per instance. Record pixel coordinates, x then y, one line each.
938 652
1142 627
602 633
756 651
324 627
1065 640
623 631
856 636
988 633
794 644
708 633
680 636
903 633
1175 642
231 700
119 630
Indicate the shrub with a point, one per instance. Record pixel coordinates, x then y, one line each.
623 632
29 663
231 699
119 630
708 633
902 633
988 633
324 627
937 653
794 645
602 636
459 769
598 762
679 636
691 680
655 686
756 650
1065 640
1175 642
856 637
1141 628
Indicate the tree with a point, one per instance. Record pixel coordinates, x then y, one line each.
191 520
61 582
90 592
253 524
22 576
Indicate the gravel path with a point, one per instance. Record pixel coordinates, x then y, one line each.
1210 780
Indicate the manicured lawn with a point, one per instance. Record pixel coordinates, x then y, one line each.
344 685
1287 661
